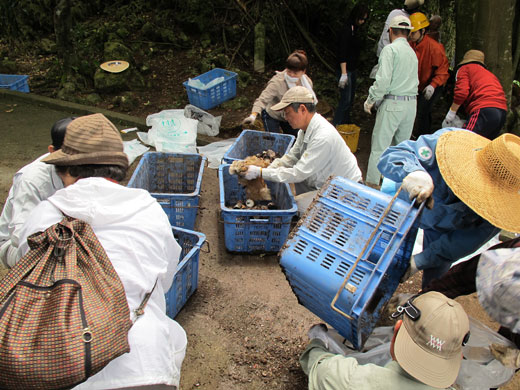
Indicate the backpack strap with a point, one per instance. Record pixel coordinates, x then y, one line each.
140 309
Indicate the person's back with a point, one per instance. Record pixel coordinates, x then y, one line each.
404 66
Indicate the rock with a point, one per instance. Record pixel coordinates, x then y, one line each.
122 32
106 82
47 46
117 51
67 91
93 99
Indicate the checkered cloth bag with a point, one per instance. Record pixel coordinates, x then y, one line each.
63 311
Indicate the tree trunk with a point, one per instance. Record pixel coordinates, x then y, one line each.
62 29
488 26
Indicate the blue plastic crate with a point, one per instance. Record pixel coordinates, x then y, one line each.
186 279
322 252
14 82
251 142
254 230
215 95
174 179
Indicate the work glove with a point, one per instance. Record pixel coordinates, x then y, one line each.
450 117
343 80
419 185
319 331
368 107
249 120
253 172
509 357
410 271
428 92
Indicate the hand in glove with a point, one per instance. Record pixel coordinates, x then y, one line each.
509 357
368 107
249 120
419 184
343 80
410 271
319 331
253 172
450 116
428 92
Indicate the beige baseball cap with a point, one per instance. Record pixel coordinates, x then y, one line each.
297 94
401 21
430 348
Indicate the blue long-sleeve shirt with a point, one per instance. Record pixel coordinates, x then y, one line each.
454 229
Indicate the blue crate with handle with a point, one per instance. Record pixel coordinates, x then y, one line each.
186 278
251 142
15 82
249 230
174 179
207 98
345 258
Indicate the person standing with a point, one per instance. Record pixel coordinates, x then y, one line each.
350 46
481 94
395 91
433 72
293 75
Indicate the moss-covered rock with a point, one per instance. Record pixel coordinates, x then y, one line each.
93 99
236 103
67 91
114 50
106 82
47 46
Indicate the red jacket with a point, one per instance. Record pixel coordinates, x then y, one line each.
476 87
433 63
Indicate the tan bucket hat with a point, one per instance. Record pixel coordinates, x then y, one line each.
430 347
296 94
115 66
484 174
90 139
473 56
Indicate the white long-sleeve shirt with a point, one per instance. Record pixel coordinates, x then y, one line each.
31 184
137 237
318 153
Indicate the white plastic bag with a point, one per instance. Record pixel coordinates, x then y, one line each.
196 83
172 132
208 124
215 151
134 149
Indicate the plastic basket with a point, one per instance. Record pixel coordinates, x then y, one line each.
14 82
253 231
186 278
215 95
251 142
174 179
345 258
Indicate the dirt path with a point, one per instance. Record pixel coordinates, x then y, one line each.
245 328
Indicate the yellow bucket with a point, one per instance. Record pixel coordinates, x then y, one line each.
350 133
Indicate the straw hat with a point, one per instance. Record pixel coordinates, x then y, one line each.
90 139
484 174
114 66
473 56
429 347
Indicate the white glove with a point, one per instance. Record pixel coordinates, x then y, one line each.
253 172
249 120
428 92
450 116
343 80
368 107
419 184
319 331
410 271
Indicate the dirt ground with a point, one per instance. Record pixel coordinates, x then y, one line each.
245 328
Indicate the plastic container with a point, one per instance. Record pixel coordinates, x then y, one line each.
186 279
207 98
251 142
174 179
342 255
350 133
14 82
254 231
